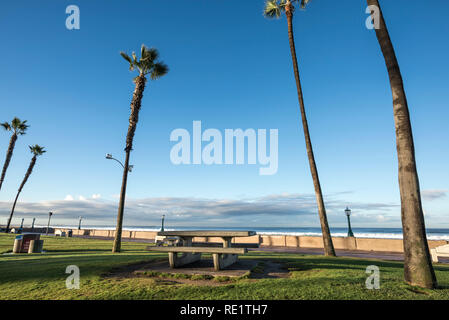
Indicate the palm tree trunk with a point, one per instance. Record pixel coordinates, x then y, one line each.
121 207
25 179
327 239
133 119
12 213
12 143
418 268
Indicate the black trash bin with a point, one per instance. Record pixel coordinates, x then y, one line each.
69 233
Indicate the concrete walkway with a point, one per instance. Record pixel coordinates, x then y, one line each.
392 256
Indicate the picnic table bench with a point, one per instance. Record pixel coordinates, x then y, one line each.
441 251
222 256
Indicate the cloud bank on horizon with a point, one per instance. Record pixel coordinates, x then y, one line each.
286 210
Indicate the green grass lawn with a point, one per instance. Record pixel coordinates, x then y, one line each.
42 276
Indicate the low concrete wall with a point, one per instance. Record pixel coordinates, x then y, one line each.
342 243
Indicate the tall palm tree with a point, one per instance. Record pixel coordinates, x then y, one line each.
418 268
36 150
274 9
17 128
146 65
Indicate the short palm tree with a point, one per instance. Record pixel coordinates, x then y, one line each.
147 65
18 128
274 9
36 150
418 268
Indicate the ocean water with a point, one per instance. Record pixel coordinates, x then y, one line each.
385 233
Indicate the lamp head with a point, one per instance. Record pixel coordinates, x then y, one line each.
108 156
348 211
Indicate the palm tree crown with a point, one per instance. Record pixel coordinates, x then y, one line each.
37 150
147 64
274 8
17 126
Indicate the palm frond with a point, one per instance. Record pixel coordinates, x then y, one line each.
19 126
273 9
147 63
37 150
22 128
159 70
150 54
6 126
126 57
15 123
304 3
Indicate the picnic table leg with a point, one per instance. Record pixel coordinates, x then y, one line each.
227 242
223 260
186 241
186 257
433 253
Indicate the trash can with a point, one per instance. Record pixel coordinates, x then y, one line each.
36 246
17 244
22 243
69 233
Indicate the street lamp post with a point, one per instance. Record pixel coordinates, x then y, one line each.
79 223
110 157
49 217
163 218
348 214
32 224
21 226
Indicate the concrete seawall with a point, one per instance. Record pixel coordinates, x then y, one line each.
342 243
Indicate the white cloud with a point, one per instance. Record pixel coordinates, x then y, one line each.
433 194
81 198
96 196
68 197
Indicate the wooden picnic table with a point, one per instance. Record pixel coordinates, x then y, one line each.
222 257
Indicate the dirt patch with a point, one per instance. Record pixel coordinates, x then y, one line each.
267 269
201 272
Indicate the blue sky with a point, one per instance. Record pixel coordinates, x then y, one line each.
229 68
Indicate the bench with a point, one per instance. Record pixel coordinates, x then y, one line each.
441 251
222 257
60 233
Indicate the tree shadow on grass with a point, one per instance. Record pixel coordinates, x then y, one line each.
308 263
48 268
77 250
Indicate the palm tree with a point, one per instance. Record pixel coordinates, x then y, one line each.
274 9
17 128
36 150
147 65
418 268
